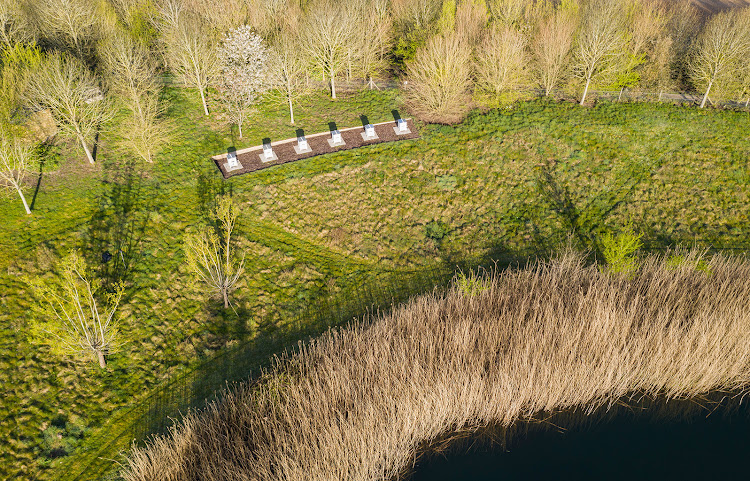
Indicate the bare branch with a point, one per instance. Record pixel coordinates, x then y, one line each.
63 85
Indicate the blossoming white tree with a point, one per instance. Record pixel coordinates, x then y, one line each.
244 76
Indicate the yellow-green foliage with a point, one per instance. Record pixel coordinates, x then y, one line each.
471 284
620 251
16 64
555 336
447 21
74 315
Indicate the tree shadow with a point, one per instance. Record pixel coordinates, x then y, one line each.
118 225
38 183
95 147
360 295
586 222
209 187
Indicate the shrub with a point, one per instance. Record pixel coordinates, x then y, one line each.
470 285
620 251
435 230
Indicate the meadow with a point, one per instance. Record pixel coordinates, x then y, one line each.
506 184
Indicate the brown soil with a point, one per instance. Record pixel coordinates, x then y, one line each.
318 143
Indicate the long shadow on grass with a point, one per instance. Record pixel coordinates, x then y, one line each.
357 296
585 221
117 227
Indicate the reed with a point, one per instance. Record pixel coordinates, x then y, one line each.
358 403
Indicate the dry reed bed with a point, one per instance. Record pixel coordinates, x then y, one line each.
357 403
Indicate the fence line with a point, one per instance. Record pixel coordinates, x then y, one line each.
192 389
622 94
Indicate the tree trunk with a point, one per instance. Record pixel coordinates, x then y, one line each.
226 298
86 149
660 94
619 97
291 110
239 126
23 199
586 90
705 97
333 87
203 99
747 103
102 361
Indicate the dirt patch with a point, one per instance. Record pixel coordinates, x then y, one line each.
284 150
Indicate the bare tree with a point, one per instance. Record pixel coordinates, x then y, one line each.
683 26
223 15
369 49
63 85
327 35
645 23
287 72
68 23
190 48
418 14
75 321
471 20
439 80
508 12
144 132
551 47
658 72
722 52
502 62
213 259
16 160
244 73
131 73
601 42
129 68
14 27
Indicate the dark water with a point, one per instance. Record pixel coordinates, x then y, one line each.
716 447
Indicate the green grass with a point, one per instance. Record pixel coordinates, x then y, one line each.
513 182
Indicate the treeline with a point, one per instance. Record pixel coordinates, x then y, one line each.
85 60
489 51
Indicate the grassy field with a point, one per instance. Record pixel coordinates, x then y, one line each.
509 183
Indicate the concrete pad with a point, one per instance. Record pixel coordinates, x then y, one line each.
302 151
335 144
231 168
365 137
264 159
